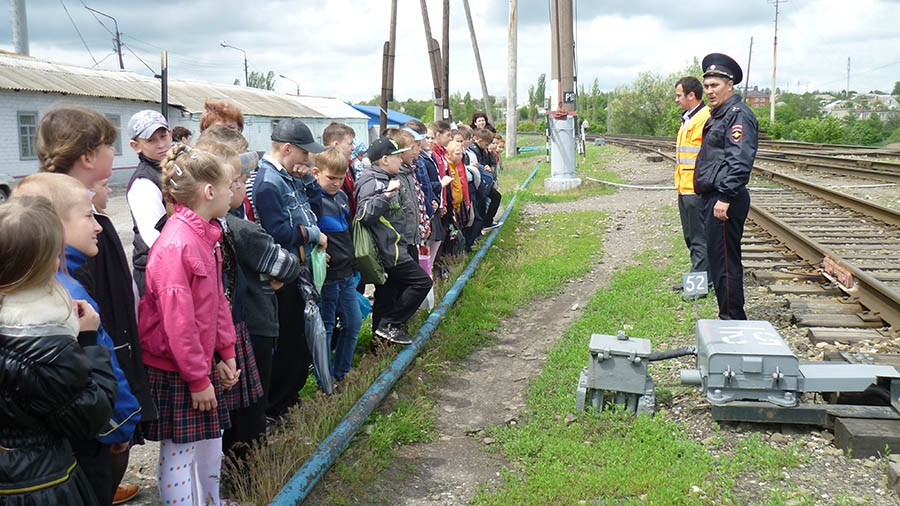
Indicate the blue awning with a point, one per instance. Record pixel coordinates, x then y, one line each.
394 118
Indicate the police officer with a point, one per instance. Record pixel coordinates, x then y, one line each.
730 139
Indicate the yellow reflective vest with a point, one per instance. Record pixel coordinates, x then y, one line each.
687 146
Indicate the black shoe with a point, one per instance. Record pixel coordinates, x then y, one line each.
393 333
492 226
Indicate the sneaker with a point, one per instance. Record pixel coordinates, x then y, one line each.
492 226
393 333
125 493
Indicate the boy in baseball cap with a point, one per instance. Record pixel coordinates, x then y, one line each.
150 139
379 210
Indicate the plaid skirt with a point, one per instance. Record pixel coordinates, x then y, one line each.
249 387
178 420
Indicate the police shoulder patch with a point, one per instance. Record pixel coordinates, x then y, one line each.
737 133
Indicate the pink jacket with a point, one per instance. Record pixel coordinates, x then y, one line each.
183 315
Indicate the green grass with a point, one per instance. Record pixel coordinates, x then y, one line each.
613 457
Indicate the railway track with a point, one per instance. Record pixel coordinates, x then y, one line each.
834 258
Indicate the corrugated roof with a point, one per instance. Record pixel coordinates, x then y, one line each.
28 74
24 73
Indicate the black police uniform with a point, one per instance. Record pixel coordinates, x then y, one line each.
730 141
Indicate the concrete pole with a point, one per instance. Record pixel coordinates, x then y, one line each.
484 91
445 48
512 113
19 26
774 57
561 120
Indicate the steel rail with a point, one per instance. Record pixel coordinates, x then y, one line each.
871 292
870 209
834 169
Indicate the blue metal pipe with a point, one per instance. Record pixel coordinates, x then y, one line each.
303 481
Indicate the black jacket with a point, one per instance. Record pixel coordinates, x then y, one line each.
107 278
730 141
51 390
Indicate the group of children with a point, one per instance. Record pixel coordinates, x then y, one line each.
205 337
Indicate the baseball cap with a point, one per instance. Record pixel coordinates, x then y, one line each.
416 135
382 147
296 132
249 160
144 123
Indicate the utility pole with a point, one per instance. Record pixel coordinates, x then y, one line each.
747 75
434 59
117 40
484 90
848 78
164 88
445 48
19 26
774 58
561 120
387 69
512 112
246 74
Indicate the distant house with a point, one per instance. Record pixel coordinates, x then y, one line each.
29 87
756 98
864 105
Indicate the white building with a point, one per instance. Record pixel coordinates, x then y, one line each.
30 87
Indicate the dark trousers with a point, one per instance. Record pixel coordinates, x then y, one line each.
93 459
479 205
248 424
290 364
724 254
397 300
692 209
491 215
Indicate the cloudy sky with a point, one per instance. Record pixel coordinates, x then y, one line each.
333 47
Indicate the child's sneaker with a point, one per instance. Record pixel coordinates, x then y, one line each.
492 226
393 333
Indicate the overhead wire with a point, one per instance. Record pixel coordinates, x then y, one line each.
78 32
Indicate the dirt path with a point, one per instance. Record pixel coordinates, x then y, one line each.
489 388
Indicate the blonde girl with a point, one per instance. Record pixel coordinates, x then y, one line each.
184 321
56 388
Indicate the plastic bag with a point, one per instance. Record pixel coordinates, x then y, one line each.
318 347
428 302
366 253
319 263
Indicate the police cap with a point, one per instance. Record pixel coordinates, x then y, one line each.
722 65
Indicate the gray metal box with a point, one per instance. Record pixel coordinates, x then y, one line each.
618 363
746 360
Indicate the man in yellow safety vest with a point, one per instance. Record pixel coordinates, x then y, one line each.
689 96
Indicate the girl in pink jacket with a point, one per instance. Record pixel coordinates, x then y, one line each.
184 321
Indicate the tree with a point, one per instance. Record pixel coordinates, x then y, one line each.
896 88
258 80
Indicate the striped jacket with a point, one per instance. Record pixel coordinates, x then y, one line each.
687 146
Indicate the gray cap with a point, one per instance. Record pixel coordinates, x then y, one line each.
296 132
144 124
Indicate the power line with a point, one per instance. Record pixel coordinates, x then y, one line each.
78 32
126 46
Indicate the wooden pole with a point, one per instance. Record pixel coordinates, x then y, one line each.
387 78
484 90
434 59
512 113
